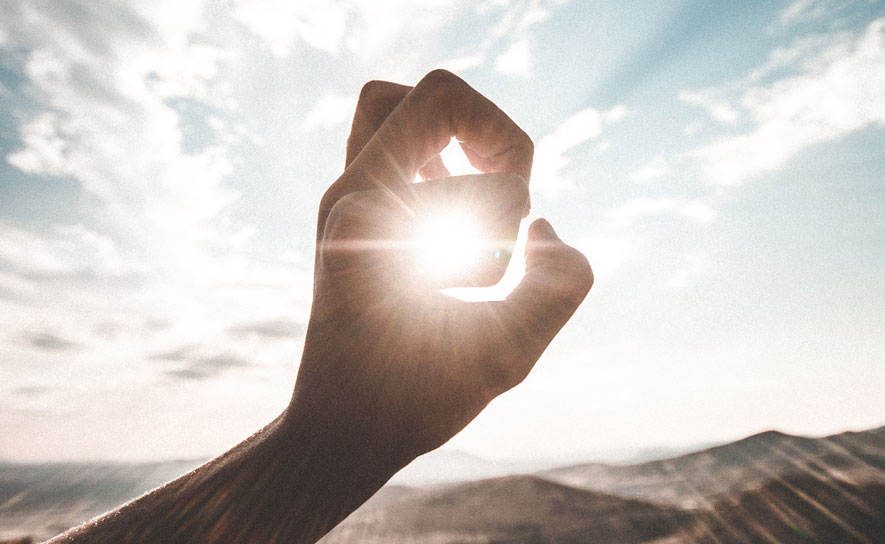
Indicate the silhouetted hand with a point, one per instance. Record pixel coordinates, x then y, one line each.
391 367
397 368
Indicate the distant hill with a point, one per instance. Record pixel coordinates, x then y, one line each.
769 487
797 509
509 509
42 500
695 480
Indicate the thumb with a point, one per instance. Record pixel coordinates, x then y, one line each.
557 278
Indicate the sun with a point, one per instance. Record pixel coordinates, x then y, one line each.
449 245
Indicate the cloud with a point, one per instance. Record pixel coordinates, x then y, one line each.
516 59
280 23
179 354
609 252
718 110
204 368
31 390
366 28
66 251
656 168
275 328
629 213
462 63
552 150
47 341
331 111
841 91
103 84
801 10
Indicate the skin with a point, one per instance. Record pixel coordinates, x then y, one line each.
390 370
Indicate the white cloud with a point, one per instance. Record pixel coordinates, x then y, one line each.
106 121
156 261
608 253
332 110
463 63
280 23
366 28
718 110
802 10
67 251
516 59
654 169
694 265
629 213
552 150
842 92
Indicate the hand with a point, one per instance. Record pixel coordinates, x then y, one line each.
398 370
390 369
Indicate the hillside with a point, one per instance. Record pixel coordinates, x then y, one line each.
767 487
510 509
695 479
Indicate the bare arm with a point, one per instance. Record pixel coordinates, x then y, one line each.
389 371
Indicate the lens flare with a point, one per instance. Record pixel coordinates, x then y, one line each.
449 244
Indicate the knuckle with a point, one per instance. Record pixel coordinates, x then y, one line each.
440 84
372 91
440 76
500 375
528 144
579 271
573 272
584 277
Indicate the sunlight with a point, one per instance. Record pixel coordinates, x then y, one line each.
455 159
449 244
463 234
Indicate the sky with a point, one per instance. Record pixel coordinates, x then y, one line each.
719 163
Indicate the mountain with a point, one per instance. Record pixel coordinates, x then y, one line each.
42 500
770 487
695 480
509 509
797 509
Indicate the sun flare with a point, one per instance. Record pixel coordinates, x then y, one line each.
449 244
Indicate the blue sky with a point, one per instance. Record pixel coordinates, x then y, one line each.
721 165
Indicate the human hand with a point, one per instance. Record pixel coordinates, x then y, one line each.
392 370
391 367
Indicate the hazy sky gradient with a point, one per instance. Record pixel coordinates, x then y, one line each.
721 165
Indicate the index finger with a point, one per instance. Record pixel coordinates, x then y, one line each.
377 99
440 107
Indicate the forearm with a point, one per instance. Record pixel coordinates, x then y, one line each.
290 482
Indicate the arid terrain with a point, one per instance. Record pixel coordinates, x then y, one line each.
769 487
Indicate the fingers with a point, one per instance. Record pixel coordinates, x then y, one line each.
377 99
557 278
422 123
434 169
440 107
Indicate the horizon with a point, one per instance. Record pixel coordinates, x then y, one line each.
719 165
625 456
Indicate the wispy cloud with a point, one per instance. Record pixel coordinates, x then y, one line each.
48 341
203 368
718 110
274 328
516 26
331 111
656 168
627 214
841 91
153 242
365 28
552 151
